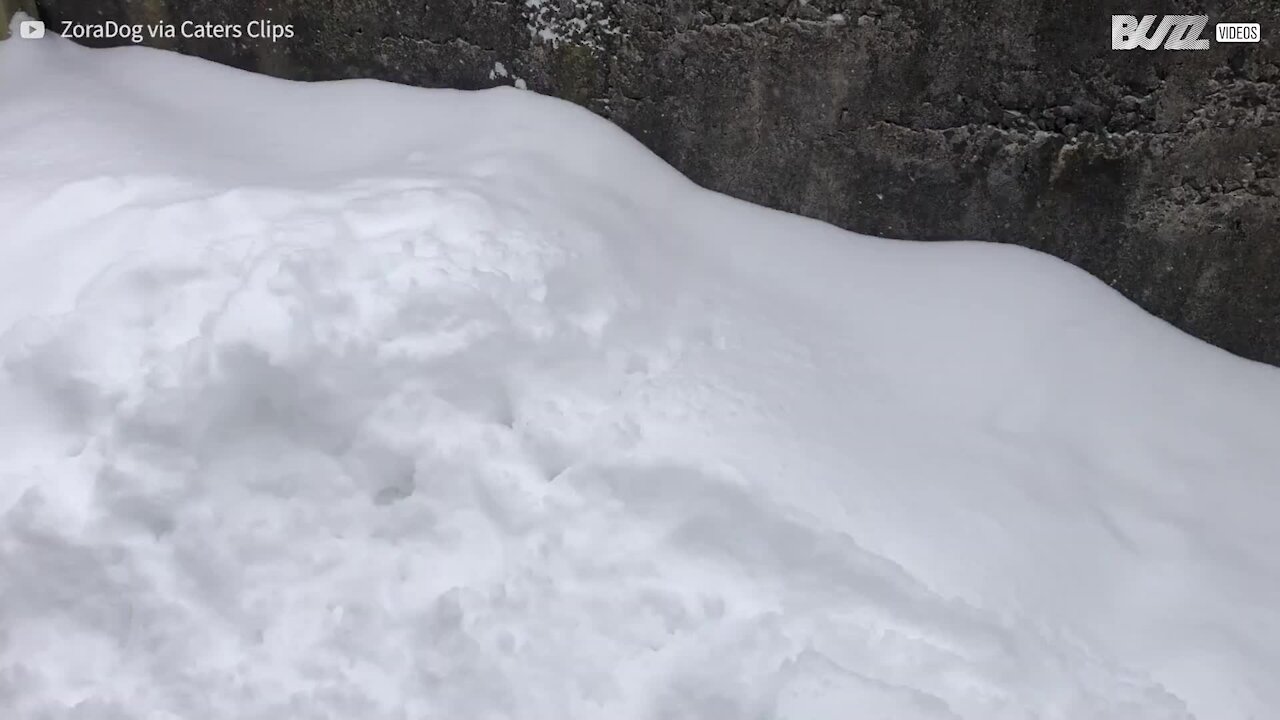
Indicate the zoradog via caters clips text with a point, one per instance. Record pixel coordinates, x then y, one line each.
137 32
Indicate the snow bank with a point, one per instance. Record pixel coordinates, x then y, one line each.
355 400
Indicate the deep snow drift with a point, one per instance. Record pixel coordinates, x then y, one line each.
359 401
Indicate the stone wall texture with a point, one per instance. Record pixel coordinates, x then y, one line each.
1003 120
7 10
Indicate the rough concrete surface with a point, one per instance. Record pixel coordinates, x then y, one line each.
7 10
1003 120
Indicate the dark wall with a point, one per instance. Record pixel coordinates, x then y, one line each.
1004 120
7 10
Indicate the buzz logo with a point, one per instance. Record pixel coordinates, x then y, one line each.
1175 32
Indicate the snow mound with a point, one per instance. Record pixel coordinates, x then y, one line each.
354 400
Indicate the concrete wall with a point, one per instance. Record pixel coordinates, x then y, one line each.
8 8
1003 120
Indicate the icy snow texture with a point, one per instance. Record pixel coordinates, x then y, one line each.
359 401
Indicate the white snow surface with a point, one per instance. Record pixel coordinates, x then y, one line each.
352 400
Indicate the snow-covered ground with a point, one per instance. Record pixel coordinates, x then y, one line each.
353 400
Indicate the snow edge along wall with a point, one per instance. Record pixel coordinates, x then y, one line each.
1156 171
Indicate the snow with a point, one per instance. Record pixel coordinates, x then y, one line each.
581 23
348 399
